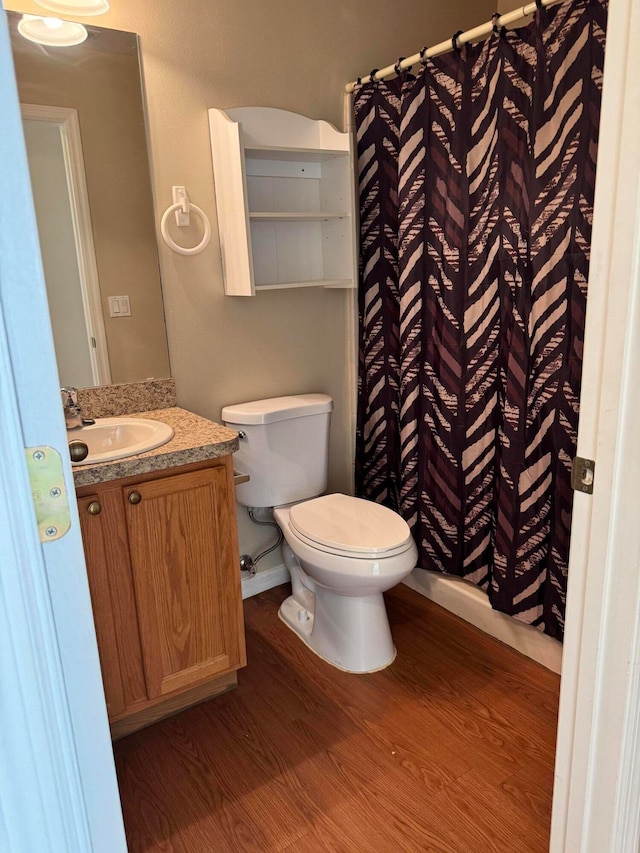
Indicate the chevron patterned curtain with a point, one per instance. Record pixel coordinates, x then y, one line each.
476 191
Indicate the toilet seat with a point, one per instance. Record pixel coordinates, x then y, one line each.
350 527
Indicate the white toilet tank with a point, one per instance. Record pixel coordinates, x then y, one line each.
285 448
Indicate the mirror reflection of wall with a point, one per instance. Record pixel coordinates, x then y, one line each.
84 126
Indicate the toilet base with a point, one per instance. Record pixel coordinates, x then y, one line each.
348 632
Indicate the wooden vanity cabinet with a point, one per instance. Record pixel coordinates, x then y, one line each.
162 562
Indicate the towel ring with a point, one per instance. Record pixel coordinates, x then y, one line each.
185 206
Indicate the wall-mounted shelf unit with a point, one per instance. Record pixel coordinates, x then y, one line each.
286 201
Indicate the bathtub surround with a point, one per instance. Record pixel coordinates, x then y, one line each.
473 315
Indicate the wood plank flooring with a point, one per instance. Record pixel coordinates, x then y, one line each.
449 750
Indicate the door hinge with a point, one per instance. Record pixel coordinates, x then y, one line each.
582 474
49 492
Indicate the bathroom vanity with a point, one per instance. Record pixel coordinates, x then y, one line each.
160 539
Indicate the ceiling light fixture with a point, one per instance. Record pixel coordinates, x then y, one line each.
51 31
75 7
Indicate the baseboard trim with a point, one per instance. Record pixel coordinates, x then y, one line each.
471 604
266 579
154 710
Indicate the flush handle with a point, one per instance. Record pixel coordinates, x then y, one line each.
135 498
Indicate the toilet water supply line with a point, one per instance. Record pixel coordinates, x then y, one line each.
249 563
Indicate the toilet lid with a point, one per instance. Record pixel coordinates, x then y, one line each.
350 525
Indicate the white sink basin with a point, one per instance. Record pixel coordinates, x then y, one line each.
115 438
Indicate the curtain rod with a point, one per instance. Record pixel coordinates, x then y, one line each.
462 38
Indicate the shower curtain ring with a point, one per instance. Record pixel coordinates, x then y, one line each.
540 12
423 53
454 41
396 67
495 18
372 75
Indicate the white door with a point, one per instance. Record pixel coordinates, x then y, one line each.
596 805
57 777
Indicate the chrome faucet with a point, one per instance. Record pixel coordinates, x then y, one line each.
71 407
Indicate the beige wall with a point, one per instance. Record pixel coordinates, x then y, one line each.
505 6
295 55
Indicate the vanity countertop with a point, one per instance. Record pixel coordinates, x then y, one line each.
195 439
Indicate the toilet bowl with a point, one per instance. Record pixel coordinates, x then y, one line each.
342 552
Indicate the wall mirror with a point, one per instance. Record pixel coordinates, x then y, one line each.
84 120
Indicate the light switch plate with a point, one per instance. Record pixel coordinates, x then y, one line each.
119 306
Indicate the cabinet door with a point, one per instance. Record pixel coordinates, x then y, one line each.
182 536
94 527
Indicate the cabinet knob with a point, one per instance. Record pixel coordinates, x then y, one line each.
135 498
94 508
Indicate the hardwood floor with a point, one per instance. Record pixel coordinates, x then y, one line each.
448 750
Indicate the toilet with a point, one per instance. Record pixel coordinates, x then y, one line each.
342 552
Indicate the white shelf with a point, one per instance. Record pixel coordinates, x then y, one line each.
295 217
286 201
310 155
326 282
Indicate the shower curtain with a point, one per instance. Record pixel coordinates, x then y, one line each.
476 192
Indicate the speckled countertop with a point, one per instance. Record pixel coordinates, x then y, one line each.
195 439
